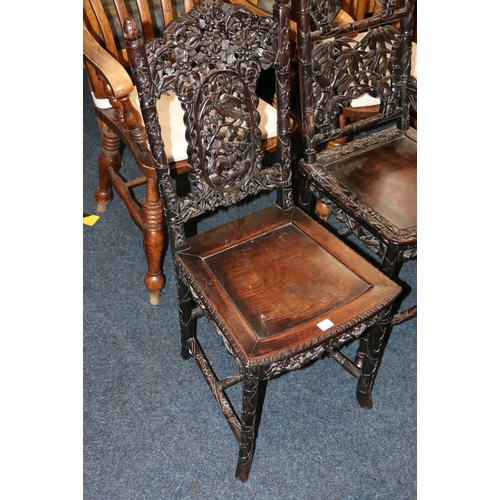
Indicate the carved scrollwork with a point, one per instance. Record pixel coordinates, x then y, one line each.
346 68
211 59
214 35
304 358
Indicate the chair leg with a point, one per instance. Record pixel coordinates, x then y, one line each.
370 359
249 408
392 262
187 320
109 157
153 240
305 198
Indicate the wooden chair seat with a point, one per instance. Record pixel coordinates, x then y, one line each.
376 182
272 280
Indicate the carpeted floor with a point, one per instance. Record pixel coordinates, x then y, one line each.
152 430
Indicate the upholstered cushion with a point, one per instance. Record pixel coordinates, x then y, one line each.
172 122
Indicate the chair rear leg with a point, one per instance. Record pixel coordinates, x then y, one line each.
109 157
249 410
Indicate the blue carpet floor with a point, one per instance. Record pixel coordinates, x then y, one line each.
152 430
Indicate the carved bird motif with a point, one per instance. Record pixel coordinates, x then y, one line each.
229 105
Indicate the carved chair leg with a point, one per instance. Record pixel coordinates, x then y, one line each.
109 157
360 354
186 317
251 384
371 358
392 262
153 240
305 198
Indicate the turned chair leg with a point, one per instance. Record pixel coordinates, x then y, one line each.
109 157
153 240
248 423
323 212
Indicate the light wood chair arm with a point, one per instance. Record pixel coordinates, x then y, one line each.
107 66
263 13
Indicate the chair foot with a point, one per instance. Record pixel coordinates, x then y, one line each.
185 353
364 400
103 198
242 474
154 298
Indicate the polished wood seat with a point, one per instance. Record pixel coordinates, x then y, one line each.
384 181
272 277
280 289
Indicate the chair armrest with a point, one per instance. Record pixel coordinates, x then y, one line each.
106 65
263 13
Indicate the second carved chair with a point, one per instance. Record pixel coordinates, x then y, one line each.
279 289
370 183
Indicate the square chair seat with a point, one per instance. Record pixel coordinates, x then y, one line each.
277 283
375 178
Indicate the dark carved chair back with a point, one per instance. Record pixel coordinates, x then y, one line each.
337 67
211 58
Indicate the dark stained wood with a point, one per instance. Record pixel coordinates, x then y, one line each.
280 290
369 182
385 179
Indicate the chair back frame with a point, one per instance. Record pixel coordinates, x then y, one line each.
335 68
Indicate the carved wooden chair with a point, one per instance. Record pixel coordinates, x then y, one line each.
116 107
366 105
279 288
370 183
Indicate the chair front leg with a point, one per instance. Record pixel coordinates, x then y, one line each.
251 384
153 240
393 261
370 359
186 317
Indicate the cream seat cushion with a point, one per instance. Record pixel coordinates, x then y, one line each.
172 122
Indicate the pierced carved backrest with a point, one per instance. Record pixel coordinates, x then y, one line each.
211 59
341 62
